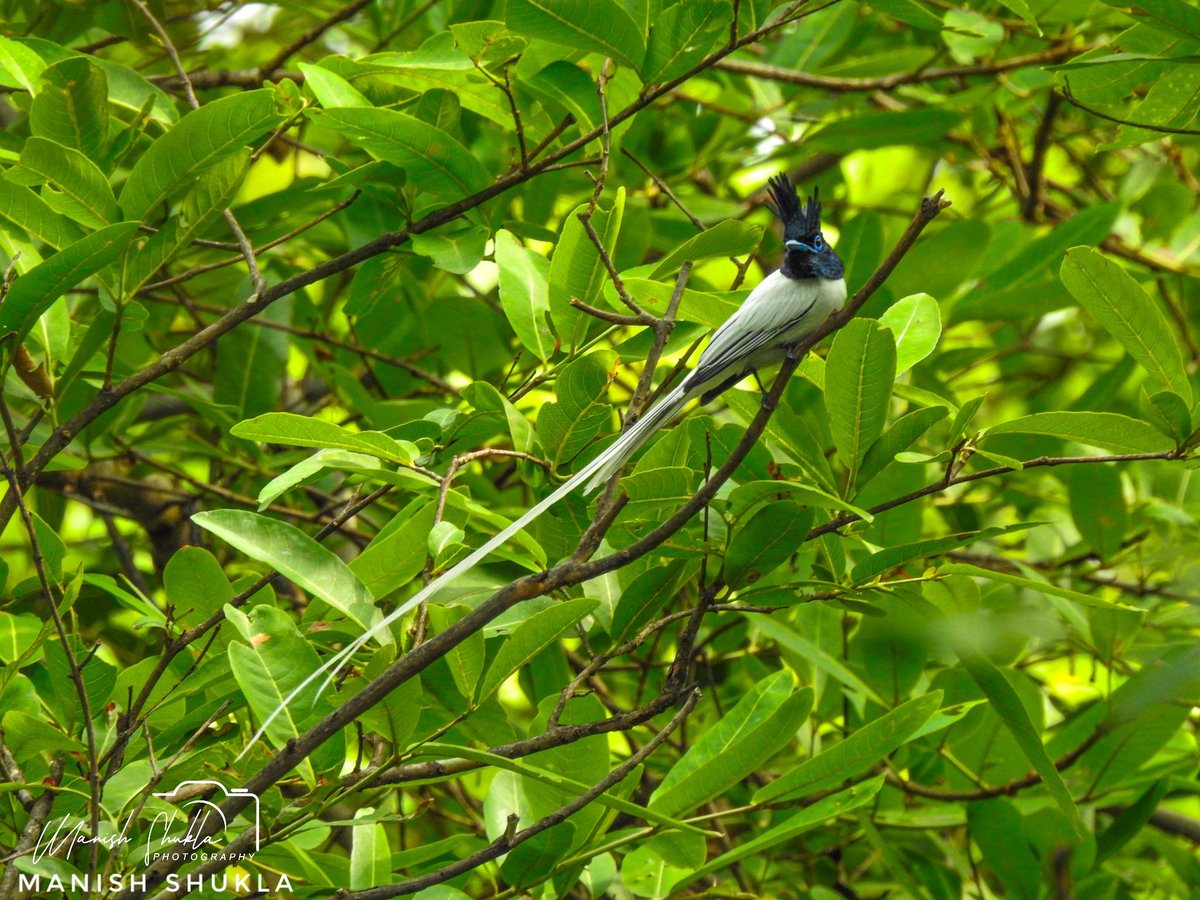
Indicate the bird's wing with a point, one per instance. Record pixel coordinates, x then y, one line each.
773 309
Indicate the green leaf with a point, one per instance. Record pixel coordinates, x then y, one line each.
524 293
458 251
252 365
466 658
599 26
304 431
786 635
869 131
1098 508
78 187
19 634
1129 314
396 555
433 160
297 557
916 323
898 438
738 743
72 107
202 137
820 813
682 36
195 585
859 373
728 238
708 309
19 66
211 195
330 89
21 210
1174 17
579 412
746 496
1108 431
35 291
766 541
370 854
271 664
529 639
849 758
878 563
1040 587
576 270
1007 705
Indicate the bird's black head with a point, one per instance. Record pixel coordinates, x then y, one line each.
806 252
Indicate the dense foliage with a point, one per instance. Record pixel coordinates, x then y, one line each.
305 300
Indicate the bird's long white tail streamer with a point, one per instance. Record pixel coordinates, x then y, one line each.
595 473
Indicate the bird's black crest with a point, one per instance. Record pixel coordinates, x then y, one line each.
798 221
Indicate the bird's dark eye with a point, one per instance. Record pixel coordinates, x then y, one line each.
818 243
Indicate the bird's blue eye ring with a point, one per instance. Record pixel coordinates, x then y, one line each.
818 243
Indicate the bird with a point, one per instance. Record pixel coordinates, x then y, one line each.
783 309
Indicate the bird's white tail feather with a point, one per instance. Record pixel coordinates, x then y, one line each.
598 471
612 459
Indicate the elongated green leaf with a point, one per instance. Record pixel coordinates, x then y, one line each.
529 639
72 107
727 238
202 137
524 293
79 189
746 496
21 210
34 292
1108 431
786 636
370 854
576 270
1041 587
878 563
859 374
765 542
811 816
600 26
304 431
916 323
271 663
740 742
1012 713
296 556
433 159
863 749
1129 314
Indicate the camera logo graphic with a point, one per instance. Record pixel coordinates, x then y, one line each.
200 801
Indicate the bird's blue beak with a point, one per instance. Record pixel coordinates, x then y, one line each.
798 245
